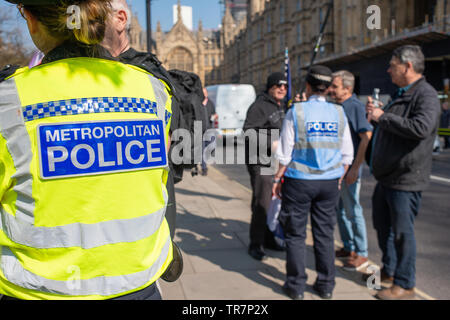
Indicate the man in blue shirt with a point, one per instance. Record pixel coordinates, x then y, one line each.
352 226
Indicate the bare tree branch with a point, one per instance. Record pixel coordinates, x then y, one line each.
12 49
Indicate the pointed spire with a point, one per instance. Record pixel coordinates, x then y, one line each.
200 25
228 18
158 26
179 10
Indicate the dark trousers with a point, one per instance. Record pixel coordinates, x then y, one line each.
299 198
204 159
171 211
446 142
393 215
261 198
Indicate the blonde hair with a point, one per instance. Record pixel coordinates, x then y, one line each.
93 15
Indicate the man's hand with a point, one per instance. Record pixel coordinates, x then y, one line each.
374 111
351 177
276 190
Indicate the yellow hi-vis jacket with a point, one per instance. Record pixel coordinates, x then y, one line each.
83 167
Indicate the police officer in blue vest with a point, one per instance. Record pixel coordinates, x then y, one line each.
314 152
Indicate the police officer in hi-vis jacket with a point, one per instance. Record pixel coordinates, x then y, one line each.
314 152
83 165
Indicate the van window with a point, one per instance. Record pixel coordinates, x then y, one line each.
231 97
232 102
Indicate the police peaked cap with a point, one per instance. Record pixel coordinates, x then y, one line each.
38 2
320 77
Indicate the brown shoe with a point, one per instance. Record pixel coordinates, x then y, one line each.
344 254
384 277
396 293
356 263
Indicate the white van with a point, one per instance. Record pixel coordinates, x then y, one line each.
232 102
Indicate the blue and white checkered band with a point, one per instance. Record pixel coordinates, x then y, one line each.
168 116
90 105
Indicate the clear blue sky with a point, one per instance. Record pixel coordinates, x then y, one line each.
209 11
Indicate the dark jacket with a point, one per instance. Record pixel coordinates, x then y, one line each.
445 119
182 85
403 141
264 113
150 63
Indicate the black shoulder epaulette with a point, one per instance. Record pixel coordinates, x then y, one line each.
7 71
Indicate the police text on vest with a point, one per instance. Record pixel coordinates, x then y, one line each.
87 148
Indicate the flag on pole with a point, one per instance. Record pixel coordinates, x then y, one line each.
287 73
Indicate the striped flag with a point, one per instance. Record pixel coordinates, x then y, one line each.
287 73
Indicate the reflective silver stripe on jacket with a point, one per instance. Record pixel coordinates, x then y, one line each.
317 145
85 236
20 228
12 128
301 128
342 123
306 169
103 286
160 96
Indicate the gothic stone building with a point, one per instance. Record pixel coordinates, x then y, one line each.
198 52
254 49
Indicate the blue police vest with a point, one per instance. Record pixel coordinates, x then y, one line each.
319 130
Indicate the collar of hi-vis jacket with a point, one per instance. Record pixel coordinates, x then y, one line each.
75 50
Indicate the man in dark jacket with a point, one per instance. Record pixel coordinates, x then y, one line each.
401 162
265 113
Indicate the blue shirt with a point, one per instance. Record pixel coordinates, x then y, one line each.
356 115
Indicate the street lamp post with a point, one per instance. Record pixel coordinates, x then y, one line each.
149 25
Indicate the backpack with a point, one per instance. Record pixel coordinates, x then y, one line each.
190 93
190 102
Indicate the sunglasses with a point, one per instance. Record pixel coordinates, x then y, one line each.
279 86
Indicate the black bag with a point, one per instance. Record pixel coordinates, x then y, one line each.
190 97
190 103
187 91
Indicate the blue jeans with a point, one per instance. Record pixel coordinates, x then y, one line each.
394 213
350 218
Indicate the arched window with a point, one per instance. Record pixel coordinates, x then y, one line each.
181 59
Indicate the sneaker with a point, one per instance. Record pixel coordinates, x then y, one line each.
357 263
344 254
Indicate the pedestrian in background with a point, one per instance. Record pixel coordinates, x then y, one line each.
80 219
350 218
314 152
211 116
445 123
401 161
265 113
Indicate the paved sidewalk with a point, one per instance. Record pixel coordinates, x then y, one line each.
212 232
